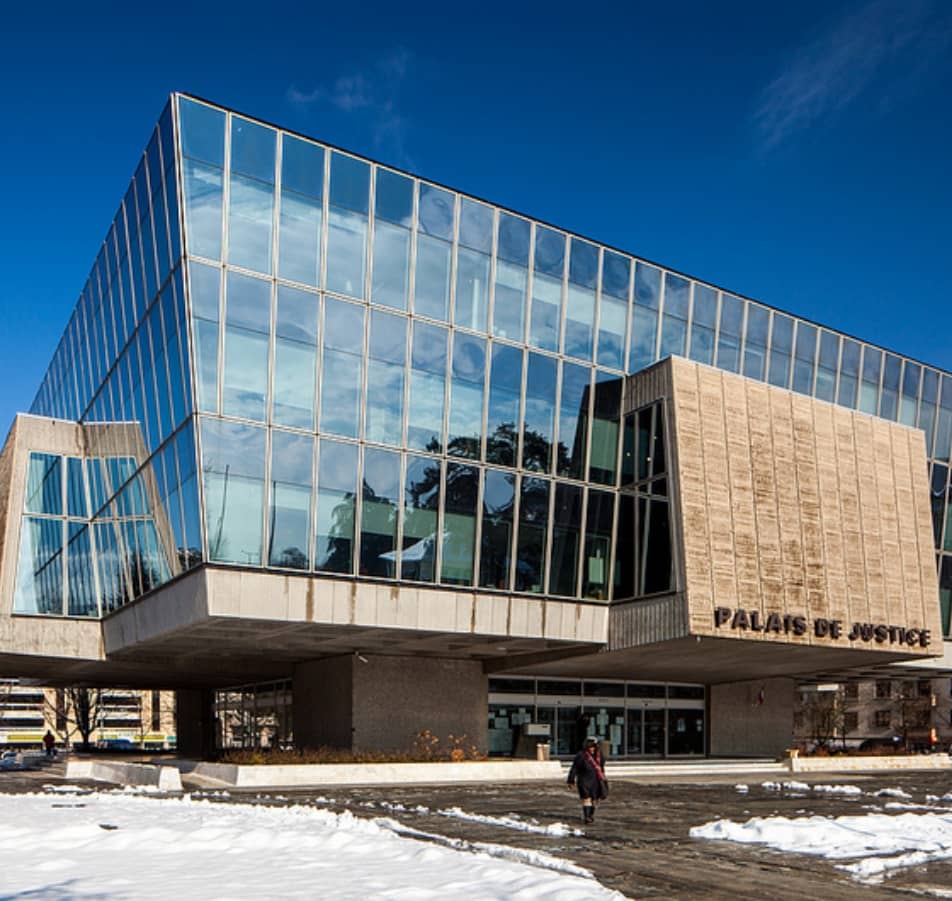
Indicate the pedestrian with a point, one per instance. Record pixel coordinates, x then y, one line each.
49 742
588 775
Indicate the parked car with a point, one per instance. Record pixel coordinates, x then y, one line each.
10 760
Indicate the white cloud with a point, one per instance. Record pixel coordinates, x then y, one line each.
372 93
826 75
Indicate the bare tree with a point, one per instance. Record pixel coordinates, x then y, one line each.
915 711
78 710
825 716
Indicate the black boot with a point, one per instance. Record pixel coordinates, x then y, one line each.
588 814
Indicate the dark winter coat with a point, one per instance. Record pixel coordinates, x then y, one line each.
585 776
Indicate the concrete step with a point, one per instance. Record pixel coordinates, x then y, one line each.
692 767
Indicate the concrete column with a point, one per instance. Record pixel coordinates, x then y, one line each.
195 723
375 702
751 719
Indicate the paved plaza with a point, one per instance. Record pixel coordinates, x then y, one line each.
640 843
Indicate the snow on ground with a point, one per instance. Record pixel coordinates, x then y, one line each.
873 844
113 845
511 822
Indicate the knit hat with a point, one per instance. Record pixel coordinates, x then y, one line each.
591 740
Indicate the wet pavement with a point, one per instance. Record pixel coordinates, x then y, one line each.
639 843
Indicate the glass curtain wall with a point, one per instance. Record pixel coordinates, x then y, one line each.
503 335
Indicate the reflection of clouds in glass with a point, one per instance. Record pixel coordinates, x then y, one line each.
346 252
391 272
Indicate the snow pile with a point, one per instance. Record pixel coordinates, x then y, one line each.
743 789
892 793
838 789
511 822
786 786
133 846
874 843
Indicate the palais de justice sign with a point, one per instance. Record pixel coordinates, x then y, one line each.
789 624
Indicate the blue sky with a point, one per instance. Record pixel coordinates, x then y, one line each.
798 155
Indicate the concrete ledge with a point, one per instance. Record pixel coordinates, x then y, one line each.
378 773
861 764
166 778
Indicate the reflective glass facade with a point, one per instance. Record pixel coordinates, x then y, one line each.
389 379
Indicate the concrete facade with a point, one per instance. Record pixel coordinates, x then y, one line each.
751 718
366 702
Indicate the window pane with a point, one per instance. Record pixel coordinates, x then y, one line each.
565 540
421 504
459 524
75 489
346 252
432 287
336 496
509 301
299 240
538 427
513 243
546 311
611 332
598 540
350 183
247 328
579 322
233 457
728 344
573 420
252 149
436 212
607 409
644 330
203 132
295 377
203 209
496 545
466 396
427 388
39 587
583 264
44 484
342 368
533 523
472 290
385 378
378 519
475 225
250 216
393 201
391 278
505 388
647 286
302 167
616 274
292 459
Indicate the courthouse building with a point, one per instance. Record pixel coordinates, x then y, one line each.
424 462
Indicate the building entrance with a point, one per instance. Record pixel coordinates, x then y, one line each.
637 719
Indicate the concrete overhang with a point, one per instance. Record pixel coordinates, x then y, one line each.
216 618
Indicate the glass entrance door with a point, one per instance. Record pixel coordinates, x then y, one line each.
654 733
635 722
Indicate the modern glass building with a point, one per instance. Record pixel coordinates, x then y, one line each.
335 371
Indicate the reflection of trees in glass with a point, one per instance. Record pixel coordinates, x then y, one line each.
334 548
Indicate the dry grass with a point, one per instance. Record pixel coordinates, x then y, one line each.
426 748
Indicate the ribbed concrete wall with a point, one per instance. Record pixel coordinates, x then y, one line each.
796 506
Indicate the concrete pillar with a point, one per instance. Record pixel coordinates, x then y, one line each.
195 723
751 719
381 703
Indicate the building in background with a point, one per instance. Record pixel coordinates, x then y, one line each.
118 717
319 423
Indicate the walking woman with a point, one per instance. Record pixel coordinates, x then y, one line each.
588 774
